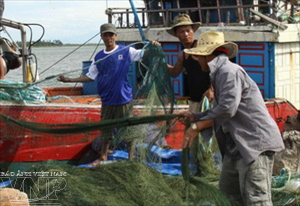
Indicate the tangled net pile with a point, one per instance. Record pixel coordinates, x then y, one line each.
151 115
131 182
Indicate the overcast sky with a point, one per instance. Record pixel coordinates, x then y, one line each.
71 21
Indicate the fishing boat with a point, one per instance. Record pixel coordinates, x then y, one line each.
266 32
58 105
267 35
268 50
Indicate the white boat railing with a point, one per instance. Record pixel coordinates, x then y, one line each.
123 17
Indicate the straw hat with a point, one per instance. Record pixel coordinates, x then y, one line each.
183 20
209 41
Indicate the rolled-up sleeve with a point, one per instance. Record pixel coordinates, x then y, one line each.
93 71
135 54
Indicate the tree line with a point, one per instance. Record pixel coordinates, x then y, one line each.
49 43
44 43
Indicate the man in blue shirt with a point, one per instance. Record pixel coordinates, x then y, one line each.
110 69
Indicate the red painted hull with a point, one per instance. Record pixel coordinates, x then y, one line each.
21 145
26 145
280 110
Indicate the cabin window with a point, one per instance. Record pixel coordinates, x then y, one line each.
154 8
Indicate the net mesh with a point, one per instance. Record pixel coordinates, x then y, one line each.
122 183
51 120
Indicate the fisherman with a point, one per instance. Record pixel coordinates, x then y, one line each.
198 81
111 74
247 135
9 59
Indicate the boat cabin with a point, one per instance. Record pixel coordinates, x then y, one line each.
267 33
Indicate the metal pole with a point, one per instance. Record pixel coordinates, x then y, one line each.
219 12
137 21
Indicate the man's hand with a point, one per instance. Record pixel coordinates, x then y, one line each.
209 94
189 137
191 133
62 78
155 43
187 117
170 67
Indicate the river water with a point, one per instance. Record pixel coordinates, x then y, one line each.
47 56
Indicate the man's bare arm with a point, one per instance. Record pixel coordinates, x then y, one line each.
62 78
178 67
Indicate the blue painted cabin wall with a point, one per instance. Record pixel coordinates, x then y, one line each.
257 58
171 51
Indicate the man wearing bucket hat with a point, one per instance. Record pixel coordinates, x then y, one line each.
198 81
247 135
110 69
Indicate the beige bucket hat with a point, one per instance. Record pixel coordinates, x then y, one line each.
209 41
183 20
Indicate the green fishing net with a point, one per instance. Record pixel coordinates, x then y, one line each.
30 118
151 121
286 189
120 183
19 92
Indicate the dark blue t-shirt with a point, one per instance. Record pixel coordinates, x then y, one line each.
112 80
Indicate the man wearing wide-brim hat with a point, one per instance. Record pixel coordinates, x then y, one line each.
247 135
198 82
183 20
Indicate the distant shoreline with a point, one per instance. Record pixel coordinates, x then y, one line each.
67 45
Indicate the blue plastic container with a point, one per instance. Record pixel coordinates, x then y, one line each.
89 88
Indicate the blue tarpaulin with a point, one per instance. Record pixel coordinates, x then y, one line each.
168 161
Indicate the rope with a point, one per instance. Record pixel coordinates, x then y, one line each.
69 53
91 56
132 44
54 76
85 127
14 43
25 85
95 49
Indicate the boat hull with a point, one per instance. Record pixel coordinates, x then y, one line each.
18 144
22 144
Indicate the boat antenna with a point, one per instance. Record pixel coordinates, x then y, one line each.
137 21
